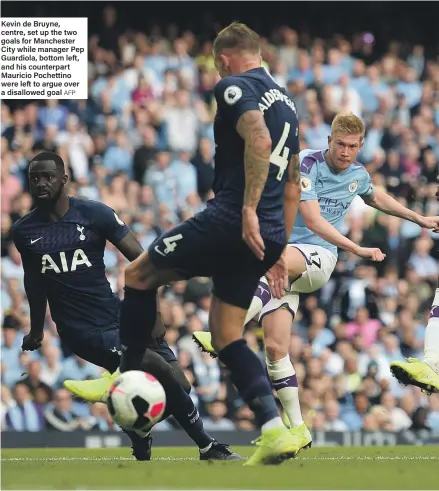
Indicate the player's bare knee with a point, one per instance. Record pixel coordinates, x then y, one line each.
274 349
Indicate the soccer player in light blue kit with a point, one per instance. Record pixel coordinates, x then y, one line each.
330 180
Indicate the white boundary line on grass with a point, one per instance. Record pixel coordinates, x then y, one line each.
185 459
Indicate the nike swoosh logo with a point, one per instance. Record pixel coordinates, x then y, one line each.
156 248
36 240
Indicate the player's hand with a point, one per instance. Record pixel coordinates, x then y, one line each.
277 277
372 253
251 233
429 222
32 341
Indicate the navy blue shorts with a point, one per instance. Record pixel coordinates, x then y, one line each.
201 246
102 347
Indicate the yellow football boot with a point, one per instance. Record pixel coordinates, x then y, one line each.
95 390
416 372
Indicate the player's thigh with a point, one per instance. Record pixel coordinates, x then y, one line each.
100 347
186 251
320 264
142 274
162 348
296 262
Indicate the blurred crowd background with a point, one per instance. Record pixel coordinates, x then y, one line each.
143 144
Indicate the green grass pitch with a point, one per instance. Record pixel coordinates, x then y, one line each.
415 468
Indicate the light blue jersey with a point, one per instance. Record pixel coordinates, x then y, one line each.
334 192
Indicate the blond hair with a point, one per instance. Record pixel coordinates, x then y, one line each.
348 124
236 36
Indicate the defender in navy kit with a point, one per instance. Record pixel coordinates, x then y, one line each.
239 236
62 243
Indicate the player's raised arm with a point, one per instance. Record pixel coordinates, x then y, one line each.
385 203
36 296
310 211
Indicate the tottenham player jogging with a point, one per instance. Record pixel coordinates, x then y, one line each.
240 235
330 180
62 243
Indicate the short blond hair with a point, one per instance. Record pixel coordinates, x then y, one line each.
348 124
236 36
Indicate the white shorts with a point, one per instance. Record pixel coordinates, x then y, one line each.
320 264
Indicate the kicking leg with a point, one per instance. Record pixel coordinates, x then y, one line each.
181 406
139 309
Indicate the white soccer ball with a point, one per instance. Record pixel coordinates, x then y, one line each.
136 400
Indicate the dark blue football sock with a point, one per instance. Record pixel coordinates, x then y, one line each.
137 320
181 406
249 377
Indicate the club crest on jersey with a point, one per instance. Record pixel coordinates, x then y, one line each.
232 94
81 231
353 186
305 183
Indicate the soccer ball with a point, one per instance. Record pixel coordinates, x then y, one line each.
136 401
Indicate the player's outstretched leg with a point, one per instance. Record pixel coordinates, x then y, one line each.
181 406
425 373
277 326
139 309
261 297
137 322
248 375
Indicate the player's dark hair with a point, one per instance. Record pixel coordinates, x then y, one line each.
236 36
50 156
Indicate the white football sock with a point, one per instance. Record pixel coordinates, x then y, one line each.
261 298
273 423
431 343
282 376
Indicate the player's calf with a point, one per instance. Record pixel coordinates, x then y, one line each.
226 324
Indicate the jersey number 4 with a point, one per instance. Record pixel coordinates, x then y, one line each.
279 156
170 243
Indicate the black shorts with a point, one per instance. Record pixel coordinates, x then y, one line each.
201 246
102 347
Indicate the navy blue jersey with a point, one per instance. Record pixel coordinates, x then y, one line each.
235 95
66 258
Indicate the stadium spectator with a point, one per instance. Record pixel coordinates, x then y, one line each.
60 415
23 414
